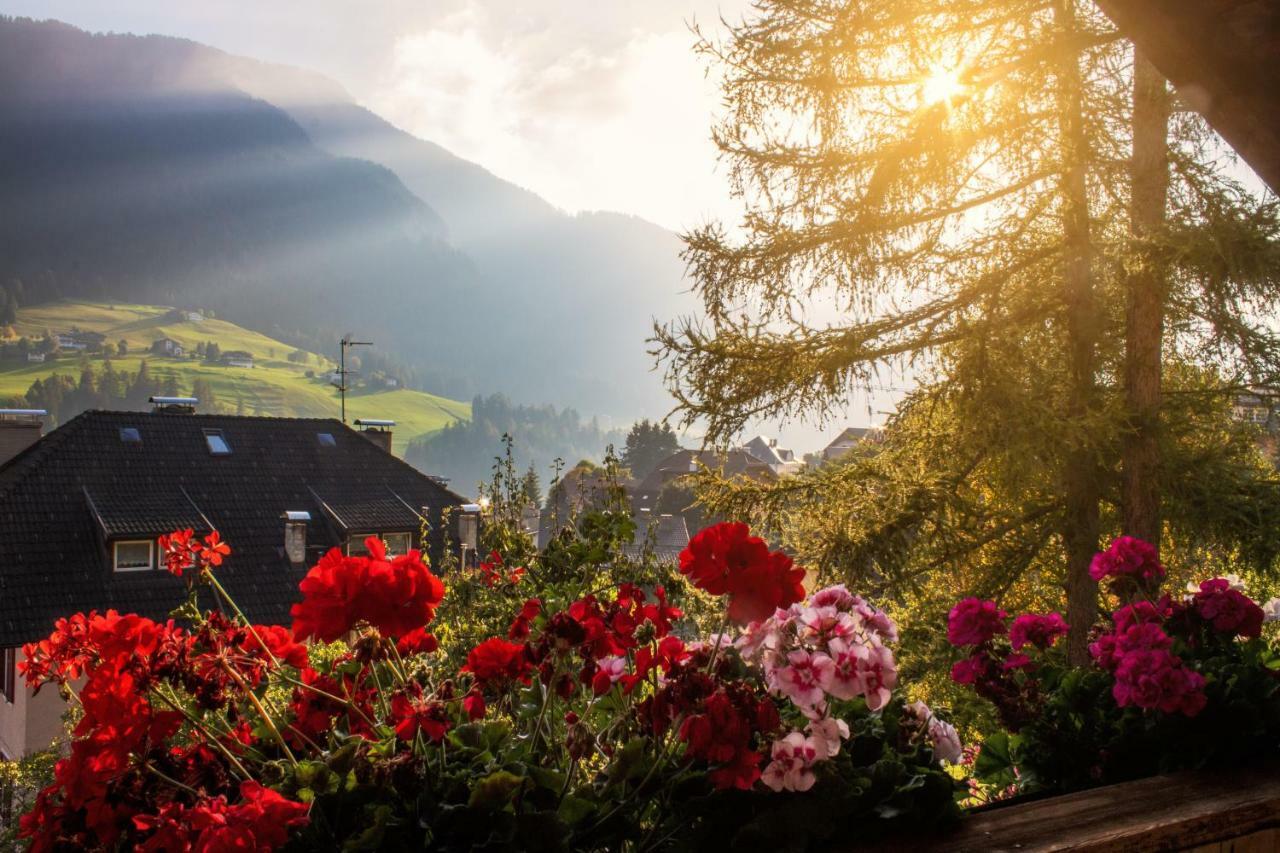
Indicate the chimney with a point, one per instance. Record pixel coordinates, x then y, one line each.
19 429
376 431
295 535
173 405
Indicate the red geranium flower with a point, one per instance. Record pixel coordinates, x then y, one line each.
726 558
395 597
719 551
495 661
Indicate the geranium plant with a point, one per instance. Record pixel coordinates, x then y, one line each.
597 718
1175 682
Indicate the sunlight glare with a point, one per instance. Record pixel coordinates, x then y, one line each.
942 85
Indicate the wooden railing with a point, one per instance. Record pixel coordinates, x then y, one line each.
1220 812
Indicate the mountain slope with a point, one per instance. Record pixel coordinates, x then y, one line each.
275 386
159 170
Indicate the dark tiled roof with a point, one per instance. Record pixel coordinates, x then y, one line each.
371 512
79 486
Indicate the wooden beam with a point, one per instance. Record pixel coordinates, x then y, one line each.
1180 811
1223 57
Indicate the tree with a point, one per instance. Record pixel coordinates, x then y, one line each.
648 443
212 352
956 176
122 347
203 391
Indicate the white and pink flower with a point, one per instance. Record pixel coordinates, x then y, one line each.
802 680
792 766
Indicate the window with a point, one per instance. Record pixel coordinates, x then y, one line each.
355 547
326 439
9 674
217 442
130 435
398 544
133 556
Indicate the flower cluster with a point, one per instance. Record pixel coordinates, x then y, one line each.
492 575
395 596
217 734
1001 672
1132 565
831 648
725 559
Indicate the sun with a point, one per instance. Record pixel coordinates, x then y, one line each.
941 86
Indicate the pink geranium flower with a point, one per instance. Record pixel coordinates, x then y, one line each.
861 669
827 733
791 768
802 679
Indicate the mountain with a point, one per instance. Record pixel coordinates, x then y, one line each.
161 170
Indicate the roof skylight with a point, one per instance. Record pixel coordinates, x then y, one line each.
130 435
217 442
326 439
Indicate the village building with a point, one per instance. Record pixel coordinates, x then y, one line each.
237 358
169 347
780 460
850 438
81 509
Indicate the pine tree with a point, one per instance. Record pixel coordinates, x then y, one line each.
954 176
647 444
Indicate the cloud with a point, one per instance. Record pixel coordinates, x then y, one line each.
619 121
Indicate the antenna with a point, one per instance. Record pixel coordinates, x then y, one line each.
342 370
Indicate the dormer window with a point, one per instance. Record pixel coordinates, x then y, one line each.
217 442
398 544
133 555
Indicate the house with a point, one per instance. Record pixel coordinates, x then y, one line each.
850 438
1256 407
80 341
168 346
734 463
767 451
81 509
195 317
237 358
35 358
69 341
662 537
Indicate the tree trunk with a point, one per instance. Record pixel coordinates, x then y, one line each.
1144 319
1081 489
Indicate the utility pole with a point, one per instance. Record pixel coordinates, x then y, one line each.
342 370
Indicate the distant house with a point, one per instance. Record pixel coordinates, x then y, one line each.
195 317
663 537
168 346
237 358
851 438
35 357
735 463
767 451
1256 407
69 341
80 341
77 535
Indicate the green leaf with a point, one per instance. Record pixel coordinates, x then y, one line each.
494 791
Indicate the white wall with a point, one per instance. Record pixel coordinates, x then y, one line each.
31 723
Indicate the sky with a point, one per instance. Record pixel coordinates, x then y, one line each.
592 104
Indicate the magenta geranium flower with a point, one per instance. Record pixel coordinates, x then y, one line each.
1039 630
973 622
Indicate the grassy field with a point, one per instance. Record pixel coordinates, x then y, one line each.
274 386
